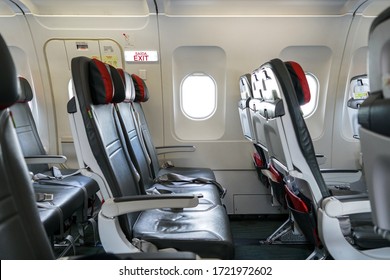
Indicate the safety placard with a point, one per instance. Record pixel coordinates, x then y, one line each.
141 56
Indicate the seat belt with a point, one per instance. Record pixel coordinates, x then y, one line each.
58 210
174 177
44 179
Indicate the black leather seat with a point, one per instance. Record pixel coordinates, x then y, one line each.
292 151
127 213
139 155
71 194
32 146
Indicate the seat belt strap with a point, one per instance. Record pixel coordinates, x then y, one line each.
45 205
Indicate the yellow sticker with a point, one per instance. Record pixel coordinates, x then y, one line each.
110 59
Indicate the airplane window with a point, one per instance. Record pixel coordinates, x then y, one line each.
198 96
310 107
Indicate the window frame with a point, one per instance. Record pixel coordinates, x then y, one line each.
215 97
313 96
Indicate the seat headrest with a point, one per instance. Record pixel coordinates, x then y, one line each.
378 54
26 93
245 87
9 82
298 78
105 83
129 85
141 91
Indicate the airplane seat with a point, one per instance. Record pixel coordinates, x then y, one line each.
129 219
18 207
373 118
140 157
331 208
72 193
269 113
142 95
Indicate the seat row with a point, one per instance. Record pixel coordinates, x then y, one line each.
23 234
63 196
335 220
142 204
145 208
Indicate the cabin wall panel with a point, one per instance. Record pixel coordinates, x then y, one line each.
248 42
346 149
129 33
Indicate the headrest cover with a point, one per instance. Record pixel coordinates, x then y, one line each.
129 86
299 81
245 87
26 94
141 91
9 82
105 83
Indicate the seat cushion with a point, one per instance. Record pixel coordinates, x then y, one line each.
209 192
77 180
206 233
194 172
51 219
68 199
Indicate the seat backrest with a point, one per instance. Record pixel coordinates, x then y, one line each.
373 117
135 144
243 106
98 128
284 88
141 96
25 126
22 235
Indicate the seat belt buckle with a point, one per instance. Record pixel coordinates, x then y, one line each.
41 197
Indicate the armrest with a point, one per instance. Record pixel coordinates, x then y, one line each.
175 149
337 206
114 207
45 159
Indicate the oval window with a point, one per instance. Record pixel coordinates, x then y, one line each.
198 96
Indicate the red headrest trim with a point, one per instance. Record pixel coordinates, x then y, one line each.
302 80
141 88
106 78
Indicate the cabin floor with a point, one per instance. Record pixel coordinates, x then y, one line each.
247 233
